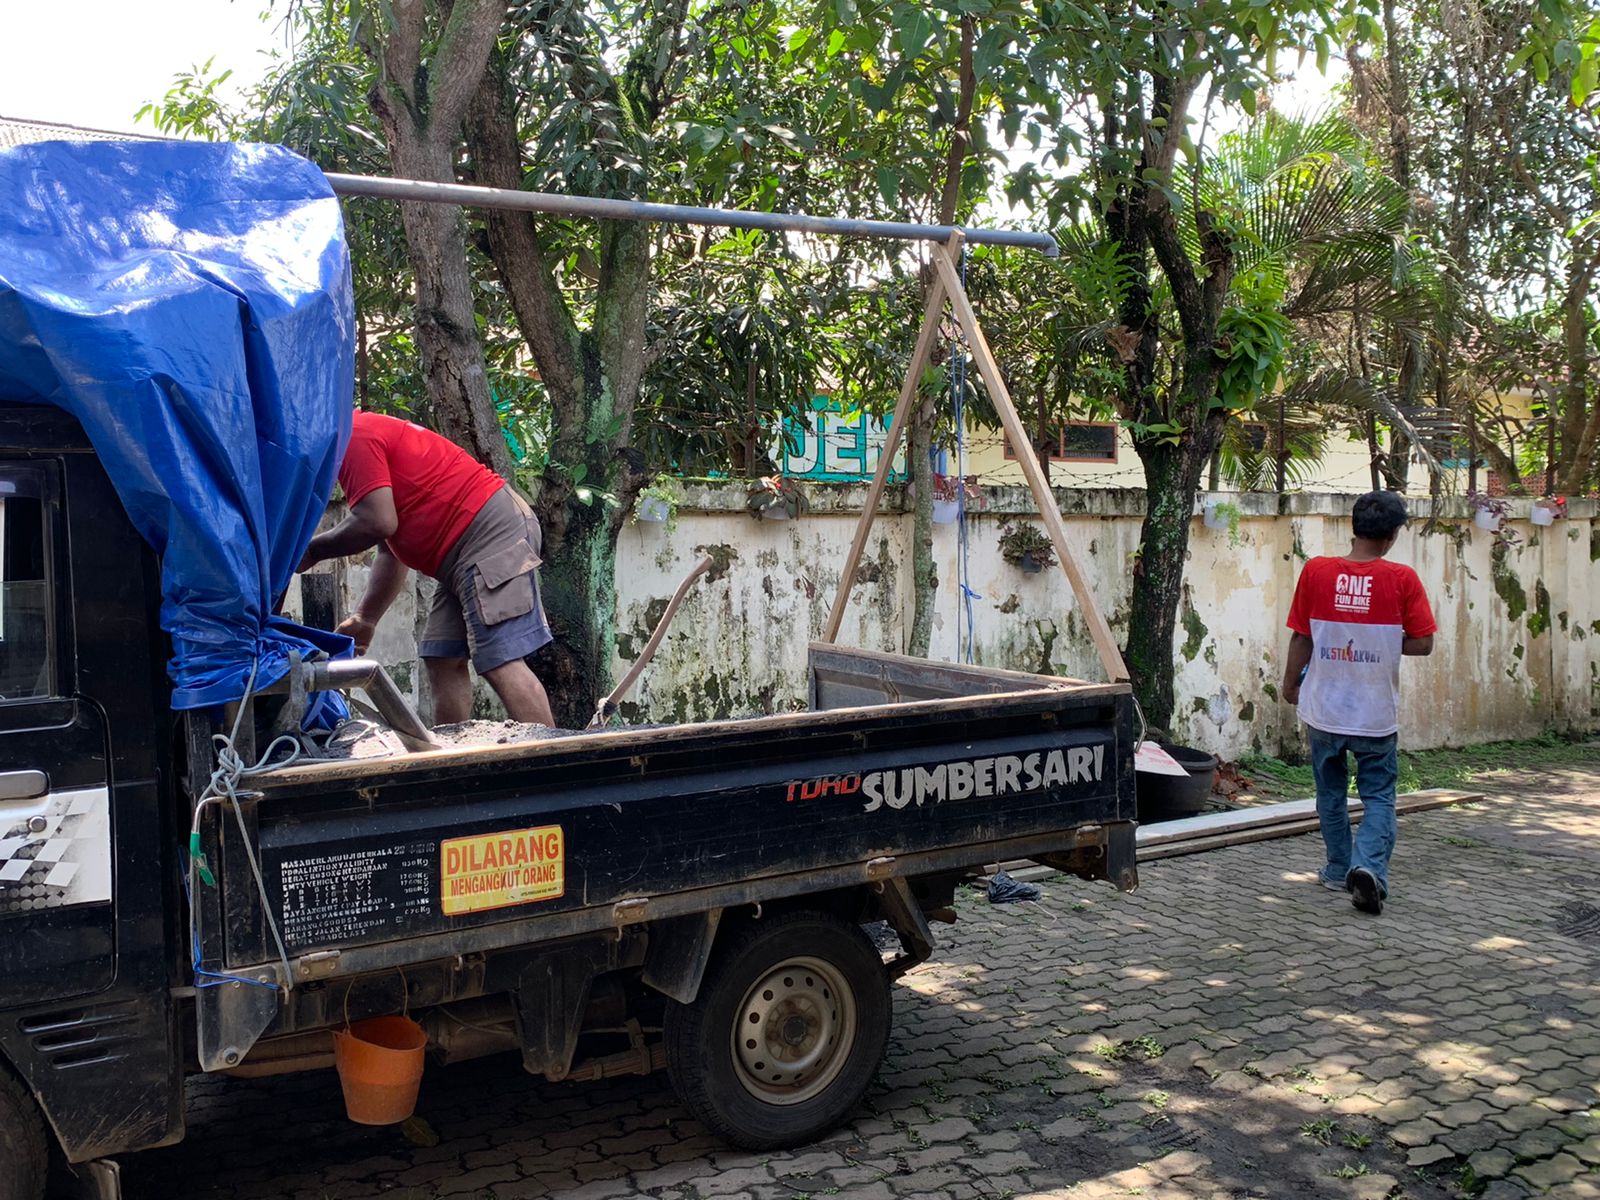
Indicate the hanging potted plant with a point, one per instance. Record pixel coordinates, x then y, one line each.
1223 514
776 498
948 493
1025 545
658 502
1488 511
1547 509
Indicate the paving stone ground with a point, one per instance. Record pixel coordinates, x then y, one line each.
1229 1030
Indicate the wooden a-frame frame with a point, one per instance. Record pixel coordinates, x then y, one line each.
946 285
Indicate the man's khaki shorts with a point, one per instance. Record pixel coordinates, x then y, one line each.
486 602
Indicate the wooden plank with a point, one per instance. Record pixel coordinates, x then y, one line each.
926 337
1210 824
822 651
989 369
1245 820
1242 837
1218 831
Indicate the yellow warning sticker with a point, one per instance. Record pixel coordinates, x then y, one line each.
497 870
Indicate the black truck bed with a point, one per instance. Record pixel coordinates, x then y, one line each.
903 768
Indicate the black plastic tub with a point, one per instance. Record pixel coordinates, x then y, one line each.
1167 797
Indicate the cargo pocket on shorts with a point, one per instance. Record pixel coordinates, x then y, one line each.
504 583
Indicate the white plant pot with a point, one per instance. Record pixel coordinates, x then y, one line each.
654 510
1484 519
1213 519
945 512
1543 515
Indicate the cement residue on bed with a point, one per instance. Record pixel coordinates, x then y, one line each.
363 739
495 733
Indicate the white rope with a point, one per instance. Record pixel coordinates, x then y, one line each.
224 785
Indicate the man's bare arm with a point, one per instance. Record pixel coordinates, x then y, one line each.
1299 657
371 522
383 585
1417 647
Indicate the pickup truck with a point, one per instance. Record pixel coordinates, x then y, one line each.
688 897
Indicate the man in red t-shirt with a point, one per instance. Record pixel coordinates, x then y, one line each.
1353 618
428 505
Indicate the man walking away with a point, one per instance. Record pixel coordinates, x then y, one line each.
428 505
1353 618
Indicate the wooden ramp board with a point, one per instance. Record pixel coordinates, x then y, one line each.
1240 827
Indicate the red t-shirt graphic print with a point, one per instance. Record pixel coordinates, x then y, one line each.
1357 616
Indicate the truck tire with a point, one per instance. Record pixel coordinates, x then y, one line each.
24 1152
786 1033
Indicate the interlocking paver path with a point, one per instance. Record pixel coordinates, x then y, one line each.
1230 1030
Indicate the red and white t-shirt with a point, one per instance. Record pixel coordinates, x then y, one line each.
1357 615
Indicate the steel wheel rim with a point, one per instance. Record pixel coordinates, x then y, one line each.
793 1031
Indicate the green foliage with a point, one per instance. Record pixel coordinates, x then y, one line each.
1144 1047
193 106
1230 513
1253 340
1563 43
663 493
734 351
1320 1131
1422 769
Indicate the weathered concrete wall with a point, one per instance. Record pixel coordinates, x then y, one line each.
1517 650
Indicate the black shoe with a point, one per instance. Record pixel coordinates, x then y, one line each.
1365 892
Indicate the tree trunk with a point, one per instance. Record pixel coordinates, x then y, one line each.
1411 364
421 105
919 465
924 573
1374 452
447 335
1172 478
1503 465
1578 451
579 590
592 381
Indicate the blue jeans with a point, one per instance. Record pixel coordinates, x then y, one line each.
1377 773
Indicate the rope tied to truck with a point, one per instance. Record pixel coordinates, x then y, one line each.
223 786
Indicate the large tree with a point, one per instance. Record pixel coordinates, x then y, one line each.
1488 118
1139 81
429 61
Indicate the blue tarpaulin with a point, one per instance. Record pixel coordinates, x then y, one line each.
190 303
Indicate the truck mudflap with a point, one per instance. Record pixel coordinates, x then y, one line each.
1112 857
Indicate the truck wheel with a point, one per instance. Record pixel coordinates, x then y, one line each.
786 1033
24 1153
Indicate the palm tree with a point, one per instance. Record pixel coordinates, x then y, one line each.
1324 260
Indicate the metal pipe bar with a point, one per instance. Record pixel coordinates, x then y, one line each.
391 704
469 196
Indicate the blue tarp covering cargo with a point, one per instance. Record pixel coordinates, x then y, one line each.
190 303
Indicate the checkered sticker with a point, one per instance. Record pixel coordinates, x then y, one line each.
55 851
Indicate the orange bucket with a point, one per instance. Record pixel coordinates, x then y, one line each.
380 1068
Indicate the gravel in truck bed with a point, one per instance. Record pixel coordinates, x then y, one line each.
366 739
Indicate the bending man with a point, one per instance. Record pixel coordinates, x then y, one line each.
427 504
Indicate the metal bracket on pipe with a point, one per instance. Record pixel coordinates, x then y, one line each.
370 677
332 675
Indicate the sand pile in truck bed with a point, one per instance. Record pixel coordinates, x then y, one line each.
365 739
